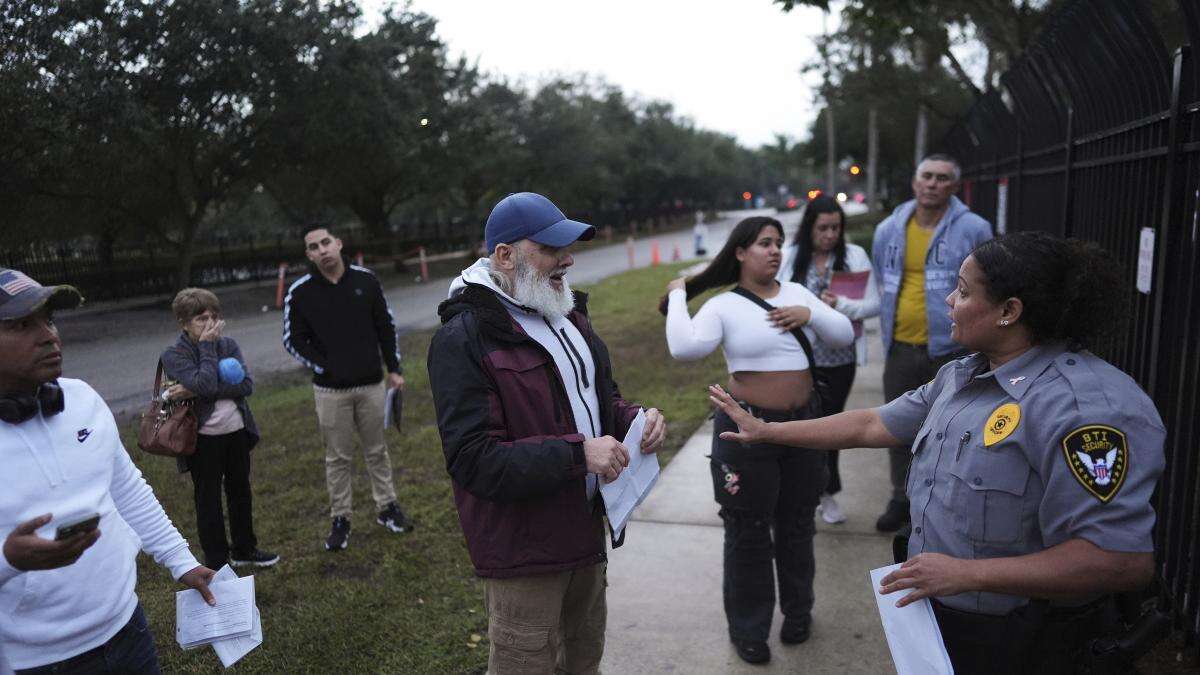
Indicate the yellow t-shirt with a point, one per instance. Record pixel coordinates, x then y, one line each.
911 324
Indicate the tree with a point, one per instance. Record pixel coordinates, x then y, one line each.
370 123
164 102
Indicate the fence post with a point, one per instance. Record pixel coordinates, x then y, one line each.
1068 157
1174 182
1019 190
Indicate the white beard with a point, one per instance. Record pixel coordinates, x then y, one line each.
535 292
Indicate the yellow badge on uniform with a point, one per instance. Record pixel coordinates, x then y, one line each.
1001 424
1099 457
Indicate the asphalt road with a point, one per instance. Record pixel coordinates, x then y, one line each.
115 350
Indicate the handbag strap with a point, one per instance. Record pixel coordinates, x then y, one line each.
154 393
797 332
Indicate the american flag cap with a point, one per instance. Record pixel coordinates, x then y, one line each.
21 296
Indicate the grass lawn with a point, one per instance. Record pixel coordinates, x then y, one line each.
392 603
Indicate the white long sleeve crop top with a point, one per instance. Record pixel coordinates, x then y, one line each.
749 340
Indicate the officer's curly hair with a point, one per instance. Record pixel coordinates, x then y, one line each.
1072 290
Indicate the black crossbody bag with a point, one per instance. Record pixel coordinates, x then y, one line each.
818 381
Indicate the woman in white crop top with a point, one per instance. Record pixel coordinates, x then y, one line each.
768 494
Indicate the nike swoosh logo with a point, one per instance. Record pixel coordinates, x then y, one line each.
82 435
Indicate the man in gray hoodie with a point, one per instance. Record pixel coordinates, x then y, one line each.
916 254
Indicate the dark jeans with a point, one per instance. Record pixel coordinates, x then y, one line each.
766 490
837 382
223 459
131 650
906 368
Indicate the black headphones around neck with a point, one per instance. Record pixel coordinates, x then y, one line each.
18 408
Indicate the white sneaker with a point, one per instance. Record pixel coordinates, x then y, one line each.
830 511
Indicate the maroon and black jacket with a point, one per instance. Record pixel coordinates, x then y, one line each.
509 437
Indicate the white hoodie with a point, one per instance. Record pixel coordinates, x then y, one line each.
73 464
562 340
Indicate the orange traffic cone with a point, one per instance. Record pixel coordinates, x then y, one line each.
654 257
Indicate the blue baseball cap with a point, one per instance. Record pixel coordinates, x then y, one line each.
21 296
528 215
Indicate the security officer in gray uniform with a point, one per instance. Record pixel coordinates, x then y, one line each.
1033 462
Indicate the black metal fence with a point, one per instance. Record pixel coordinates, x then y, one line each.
1096 134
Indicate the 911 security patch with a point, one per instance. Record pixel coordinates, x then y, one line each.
1099 459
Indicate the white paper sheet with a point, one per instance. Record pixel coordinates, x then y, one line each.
630 488
197 623
231 650
912 631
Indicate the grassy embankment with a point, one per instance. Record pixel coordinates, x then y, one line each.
392 603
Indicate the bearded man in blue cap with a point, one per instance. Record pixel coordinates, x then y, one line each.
530 419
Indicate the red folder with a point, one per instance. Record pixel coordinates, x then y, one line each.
852 285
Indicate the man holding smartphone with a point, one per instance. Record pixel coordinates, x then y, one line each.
67 601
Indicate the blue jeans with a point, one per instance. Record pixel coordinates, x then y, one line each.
131 650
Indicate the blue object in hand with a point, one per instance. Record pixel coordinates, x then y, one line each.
231 370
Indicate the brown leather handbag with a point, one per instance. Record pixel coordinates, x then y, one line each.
168 428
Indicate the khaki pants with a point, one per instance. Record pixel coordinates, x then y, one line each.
547 623
341 413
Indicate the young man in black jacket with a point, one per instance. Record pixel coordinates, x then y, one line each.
337 323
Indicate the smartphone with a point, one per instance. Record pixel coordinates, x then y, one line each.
77 526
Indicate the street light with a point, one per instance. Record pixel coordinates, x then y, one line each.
854 170
424 121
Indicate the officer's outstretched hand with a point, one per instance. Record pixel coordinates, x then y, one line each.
605 456
655 432
750 428
929 575
26 551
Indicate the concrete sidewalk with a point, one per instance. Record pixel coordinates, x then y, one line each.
665 612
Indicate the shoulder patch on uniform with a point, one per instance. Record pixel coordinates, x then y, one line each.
1002 422
1099 458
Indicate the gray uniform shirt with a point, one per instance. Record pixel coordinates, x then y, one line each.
1053 445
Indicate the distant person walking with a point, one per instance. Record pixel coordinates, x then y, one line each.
818 252
208 368
700 234
916 253
337 323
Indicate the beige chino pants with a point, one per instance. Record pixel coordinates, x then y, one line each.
341 413
547 623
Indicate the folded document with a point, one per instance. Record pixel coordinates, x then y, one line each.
635 482
233 627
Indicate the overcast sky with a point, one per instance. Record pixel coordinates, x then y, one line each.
730 65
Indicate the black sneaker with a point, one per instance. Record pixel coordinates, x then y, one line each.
257 557
339 536
752 651
795 631
394 519
894 517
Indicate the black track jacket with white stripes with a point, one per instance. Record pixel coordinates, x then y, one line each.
339 331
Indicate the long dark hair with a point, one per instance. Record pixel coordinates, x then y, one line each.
1063 285
804 246
725 268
